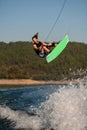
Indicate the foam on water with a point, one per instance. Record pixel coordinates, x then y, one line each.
21 119
65 109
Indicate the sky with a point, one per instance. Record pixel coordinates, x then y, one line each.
21 19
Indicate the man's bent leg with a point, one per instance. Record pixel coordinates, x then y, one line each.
46 49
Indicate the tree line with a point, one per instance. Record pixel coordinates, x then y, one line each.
18 60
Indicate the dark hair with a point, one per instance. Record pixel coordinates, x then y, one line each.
35 36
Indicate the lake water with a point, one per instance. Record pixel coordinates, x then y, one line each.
46 107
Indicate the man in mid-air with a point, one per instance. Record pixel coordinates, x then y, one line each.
41 48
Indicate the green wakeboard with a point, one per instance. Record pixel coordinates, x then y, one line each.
57 50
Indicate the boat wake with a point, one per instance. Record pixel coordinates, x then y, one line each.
65 109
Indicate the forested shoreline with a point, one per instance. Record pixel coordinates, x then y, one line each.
19 61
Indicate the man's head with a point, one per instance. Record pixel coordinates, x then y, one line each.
35 36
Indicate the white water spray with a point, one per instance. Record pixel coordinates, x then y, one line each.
65 109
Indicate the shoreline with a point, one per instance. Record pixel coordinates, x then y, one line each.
35 82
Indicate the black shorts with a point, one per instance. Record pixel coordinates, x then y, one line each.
42 55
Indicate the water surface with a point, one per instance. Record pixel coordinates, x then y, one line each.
46 107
